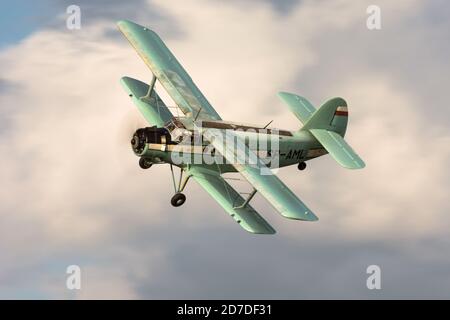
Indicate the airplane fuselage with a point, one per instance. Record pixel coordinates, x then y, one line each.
277 148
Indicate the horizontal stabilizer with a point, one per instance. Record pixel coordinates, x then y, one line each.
152 108
338 148
299 106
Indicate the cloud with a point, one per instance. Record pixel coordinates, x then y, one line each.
73 193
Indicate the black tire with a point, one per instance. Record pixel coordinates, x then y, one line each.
178 199
302 166
145 163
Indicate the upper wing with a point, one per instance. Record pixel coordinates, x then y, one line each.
299 106
272 188
230 200
168 71
338 148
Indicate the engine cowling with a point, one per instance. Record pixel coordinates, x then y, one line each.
149 135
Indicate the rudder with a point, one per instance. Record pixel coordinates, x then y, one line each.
331 116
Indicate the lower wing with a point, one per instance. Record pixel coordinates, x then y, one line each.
230 200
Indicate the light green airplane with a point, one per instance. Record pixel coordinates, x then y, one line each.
322 132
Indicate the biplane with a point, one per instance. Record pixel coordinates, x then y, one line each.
255 151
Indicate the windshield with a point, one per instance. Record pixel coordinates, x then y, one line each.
174 123
177 130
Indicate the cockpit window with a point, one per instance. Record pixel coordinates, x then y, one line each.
173 124
177 130
170 126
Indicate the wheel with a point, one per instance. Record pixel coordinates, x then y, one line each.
302 166
145 163
178 199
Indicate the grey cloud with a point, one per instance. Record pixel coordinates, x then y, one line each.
6 85
232 265
411 49
282 6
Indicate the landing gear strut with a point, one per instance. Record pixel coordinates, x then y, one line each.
145 163
302 166
178 199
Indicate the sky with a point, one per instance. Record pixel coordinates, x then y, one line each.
72 192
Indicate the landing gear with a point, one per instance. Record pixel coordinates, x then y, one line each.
145 163
301 166
178 199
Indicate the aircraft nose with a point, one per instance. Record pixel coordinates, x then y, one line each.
135 140
137 143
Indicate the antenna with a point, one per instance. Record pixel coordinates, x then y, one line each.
268 124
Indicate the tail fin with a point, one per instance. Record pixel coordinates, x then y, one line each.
328 125
332 116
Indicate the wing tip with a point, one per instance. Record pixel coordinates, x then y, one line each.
310 217
360 164
121 24
265 231
286 95
303 216
259 228
124 25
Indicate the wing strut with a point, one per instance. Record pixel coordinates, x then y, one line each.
250 197
150 89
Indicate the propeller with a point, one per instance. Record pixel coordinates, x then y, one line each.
131 121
